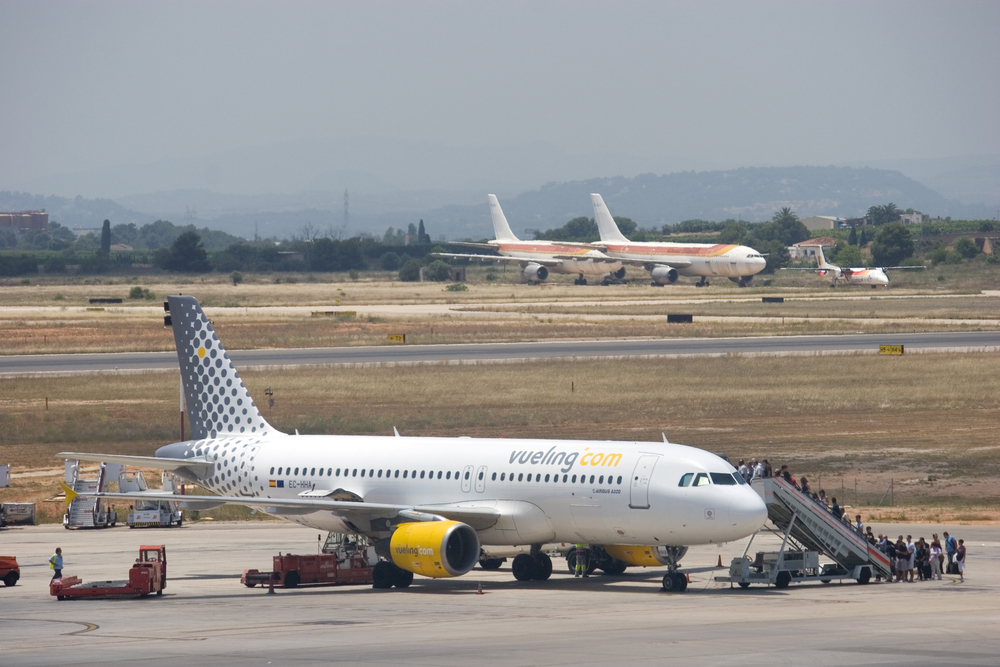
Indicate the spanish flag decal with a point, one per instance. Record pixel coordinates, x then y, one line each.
272 484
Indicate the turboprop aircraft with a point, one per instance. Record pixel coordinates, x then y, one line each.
667 261
429 504
538 258
851 276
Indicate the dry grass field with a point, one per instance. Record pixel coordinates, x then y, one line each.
926 422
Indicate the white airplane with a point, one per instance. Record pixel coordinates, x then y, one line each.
667 261
851 276
538 258
429 504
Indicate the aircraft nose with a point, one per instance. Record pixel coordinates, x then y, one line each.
747 512
758 264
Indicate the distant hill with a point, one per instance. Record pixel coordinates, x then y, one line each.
76 213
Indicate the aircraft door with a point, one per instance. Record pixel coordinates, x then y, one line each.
467 479
481 479
639 498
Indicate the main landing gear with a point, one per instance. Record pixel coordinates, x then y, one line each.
534 566
702 283
387 574
580 281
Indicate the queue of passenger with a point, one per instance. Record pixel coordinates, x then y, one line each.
905 557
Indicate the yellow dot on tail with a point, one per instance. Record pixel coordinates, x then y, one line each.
201 353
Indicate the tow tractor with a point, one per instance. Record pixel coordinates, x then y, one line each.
343 562
148 575
9 570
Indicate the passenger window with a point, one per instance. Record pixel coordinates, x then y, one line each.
573 479
529 476
362 472
421 474
619 480
396 475
338 472
503 475
279 470
520 476
494 478
329 472
404 473
601 480
320 472
313 473
448 476
354 473
439 474
546 478
467 475
272 470
296 471
380 472
686 479
371 473
701 480
722 478
414 474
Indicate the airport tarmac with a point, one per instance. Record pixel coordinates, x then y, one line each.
206 617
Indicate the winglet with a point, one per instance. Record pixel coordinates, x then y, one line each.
396 432
605 223
70 493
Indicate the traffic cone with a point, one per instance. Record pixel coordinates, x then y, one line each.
270 585
720 561
687 576
480 591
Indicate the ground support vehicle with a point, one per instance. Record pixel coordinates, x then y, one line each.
808 531
10 572
86 511
151 513
343 567
148 575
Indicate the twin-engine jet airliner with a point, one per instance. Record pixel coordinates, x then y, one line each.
667 261
538 258
875 277
429 504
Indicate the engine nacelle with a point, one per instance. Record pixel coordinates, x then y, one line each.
620 273
435 548
642 556
661 275
535 273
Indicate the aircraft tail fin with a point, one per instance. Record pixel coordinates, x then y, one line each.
218 403
605 223
821 259
501 230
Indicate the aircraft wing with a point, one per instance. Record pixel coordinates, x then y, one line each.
649 265
501 258
195 465
900 268
596 260
351 511
470 244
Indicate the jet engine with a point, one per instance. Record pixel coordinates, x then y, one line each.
644 556
620 273
536 273
661 275
435 548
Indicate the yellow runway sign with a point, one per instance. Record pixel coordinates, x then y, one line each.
890 349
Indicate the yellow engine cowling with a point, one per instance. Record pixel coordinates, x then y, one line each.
637 555
435 548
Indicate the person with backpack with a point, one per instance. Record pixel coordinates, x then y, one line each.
950 546
960 559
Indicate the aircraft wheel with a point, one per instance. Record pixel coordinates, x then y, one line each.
292 580
865 577
490 563
11 578
571 561
523 567
673 582
783 580
543 567
382 575
159 592
744 584
60 597
402 578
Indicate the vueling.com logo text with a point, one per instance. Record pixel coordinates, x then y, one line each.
567 459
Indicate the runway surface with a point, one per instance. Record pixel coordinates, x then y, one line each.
135 361
206 617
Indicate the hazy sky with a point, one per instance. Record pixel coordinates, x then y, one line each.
89 85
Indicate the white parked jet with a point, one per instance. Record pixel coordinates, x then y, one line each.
667 261
851 276
430 503
538 258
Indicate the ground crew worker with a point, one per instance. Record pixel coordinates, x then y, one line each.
582 560
56 563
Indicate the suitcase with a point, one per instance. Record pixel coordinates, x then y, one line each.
952 568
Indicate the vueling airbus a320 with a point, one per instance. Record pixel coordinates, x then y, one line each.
429 504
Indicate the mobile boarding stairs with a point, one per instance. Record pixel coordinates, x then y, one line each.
808 530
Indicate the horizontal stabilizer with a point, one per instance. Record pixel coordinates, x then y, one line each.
197 465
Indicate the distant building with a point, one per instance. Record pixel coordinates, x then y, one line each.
120 247
804 250
21 221
911 218
815 222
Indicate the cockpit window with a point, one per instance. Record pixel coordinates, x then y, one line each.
701 480
723 478
739 478
686 479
